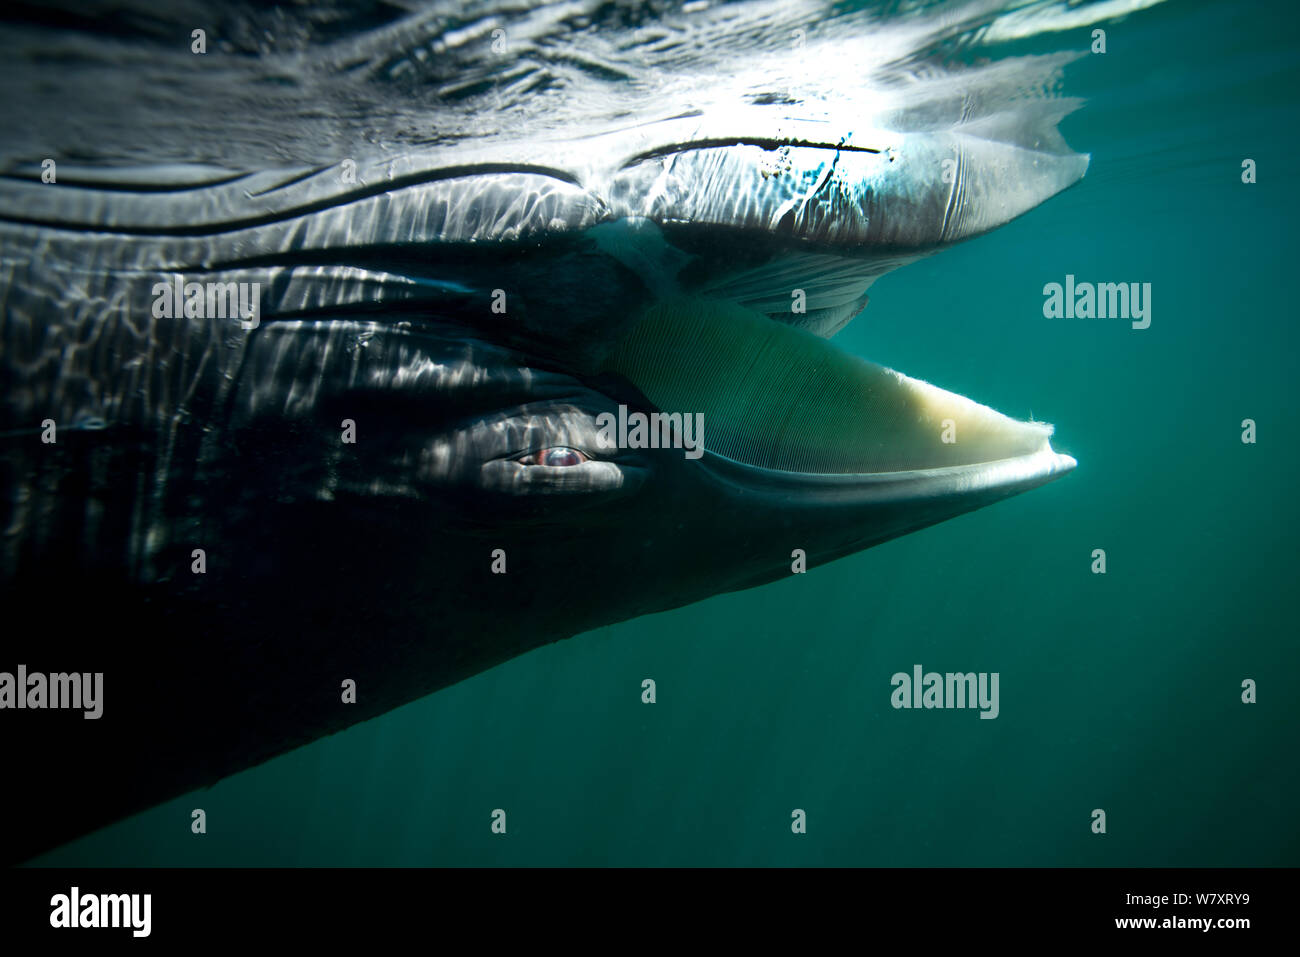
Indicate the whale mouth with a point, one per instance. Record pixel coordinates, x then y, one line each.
781 399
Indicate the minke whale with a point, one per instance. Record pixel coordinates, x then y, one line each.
270 429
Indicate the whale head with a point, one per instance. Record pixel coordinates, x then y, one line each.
566 360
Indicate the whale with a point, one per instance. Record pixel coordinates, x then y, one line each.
285 447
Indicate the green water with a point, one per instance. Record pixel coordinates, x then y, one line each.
1119 691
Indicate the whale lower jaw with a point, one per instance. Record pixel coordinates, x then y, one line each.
780 399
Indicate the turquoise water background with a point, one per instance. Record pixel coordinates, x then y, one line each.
1119 691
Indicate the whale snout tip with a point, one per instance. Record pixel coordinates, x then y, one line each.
1063 463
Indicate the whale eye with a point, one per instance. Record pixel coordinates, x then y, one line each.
559 457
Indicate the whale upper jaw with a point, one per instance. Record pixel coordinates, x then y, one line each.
840 515
933 494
